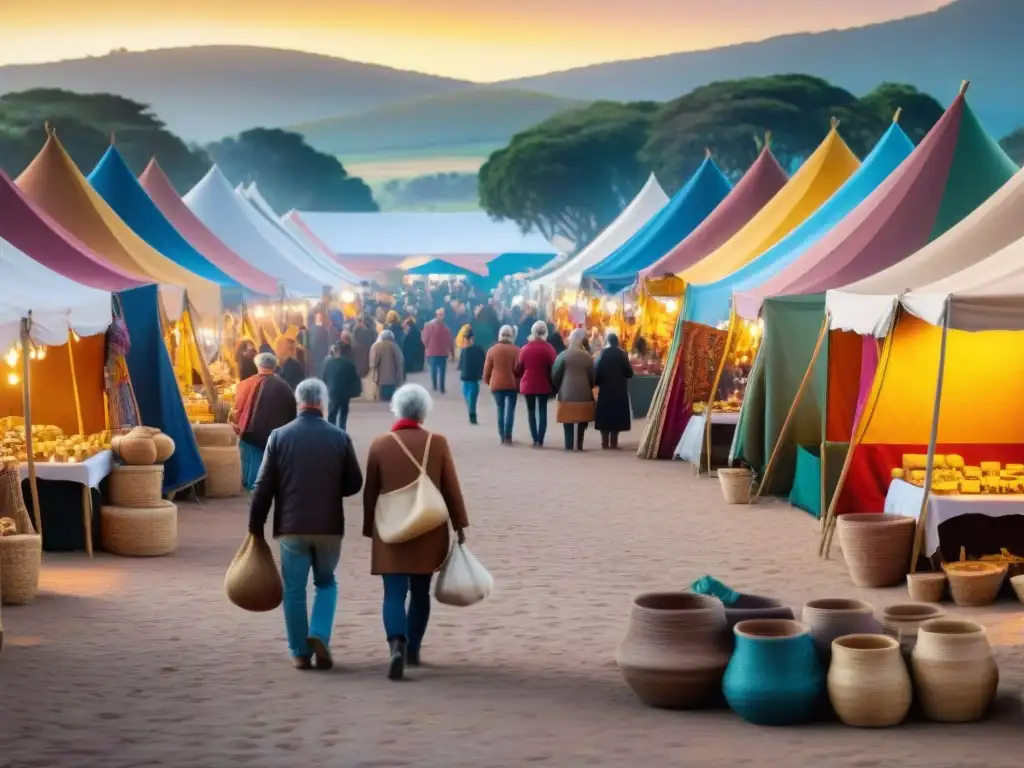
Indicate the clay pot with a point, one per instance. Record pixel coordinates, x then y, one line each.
954 671
974 584
755 607
774 677
675 650
904 620
876 548
137 451
926 587
868 683
829 618
164 447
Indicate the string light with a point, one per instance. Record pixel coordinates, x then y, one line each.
13 379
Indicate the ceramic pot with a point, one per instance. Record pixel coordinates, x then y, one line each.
876 548
832 617
868 683
954 670
926 587
137 451
774 677
755 607
675 650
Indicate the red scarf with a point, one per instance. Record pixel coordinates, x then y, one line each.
405 424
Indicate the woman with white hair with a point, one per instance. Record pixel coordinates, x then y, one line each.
500 377
387 365
396 461
536 360
573 378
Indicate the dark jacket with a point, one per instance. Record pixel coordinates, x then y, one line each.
555 339
341 378
612 373
308 468
292 372
524 330
246 367
471 363
274 407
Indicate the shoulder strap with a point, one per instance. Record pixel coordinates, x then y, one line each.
407 452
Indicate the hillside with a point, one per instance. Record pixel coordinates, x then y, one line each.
978 40
485 118
205 93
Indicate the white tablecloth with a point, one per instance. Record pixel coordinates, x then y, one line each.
89 472
691 444
904 499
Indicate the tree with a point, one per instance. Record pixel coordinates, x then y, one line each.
436 190
1014 146
570 175
290 173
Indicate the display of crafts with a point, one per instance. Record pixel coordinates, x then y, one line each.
719 406
197 408
49 443
951 475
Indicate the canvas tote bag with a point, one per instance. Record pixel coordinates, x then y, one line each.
418 508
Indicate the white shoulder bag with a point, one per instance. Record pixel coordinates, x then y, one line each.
418 508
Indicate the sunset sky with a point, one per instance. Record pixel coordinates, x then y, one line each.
473 39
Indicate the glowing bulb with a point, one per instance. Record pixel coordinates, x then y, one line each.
13 379
611 307
41 353
671 305
258 312
348 297
12 357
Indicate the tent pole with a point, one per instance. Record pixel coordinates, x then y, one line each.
74 384
932 441
26 405
709 412
822 334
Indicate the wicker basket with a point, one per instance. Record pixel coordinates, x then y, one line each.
138 532
1017 582
214 435
149 432
223 471
20 554
137 451
136 486
735 485
164 447
926 587
974 584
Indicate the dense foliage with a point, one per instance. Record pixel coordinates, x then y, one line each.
1014 146
436 190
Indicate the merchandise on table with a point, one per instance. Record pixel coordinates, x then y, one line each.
49 443
950 475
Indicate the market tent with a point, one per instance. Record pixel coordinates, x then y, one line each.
25 226
828 167
56 185
691 205
759 184
648 201
160 190
516 264
215 204
292 222
441 267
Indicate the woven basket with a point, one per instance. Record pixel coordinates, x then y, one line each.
926 587
22 553
149 432
223 471
164 447
137 451
974 584
876 547
136 486
735 485
214 435
137 532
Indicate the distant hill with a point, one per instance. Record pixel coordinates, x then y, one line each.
977 40
441 124
207 92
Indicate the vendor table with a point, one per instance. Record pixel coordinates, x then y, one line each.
88 474
904 499
691 444
641 393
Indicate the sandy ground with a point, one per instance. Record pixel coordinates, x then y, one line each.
143 662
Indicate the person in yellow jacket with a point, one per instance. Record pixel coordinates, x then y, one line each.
461 342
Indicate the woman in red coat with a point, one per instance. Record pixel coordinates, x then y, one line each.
536 359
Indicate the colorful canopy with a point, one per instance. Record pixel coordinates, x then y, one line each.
25 226
121 190
440 267
759 184
691 205
163 194
54 183
515 264
648 201
216 205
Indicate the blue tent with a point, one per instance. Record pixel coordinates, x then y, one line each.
440 267
117 185
516 263
156 389
710 303
666 229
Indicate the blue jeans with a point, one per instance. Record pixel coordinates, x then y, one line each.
438 369
506 402
252 457
411 622
338 413
299 556
387 391
471 391
537 415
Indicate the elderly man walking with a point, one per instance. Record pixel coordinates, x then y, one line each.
439 345
308 468
263 403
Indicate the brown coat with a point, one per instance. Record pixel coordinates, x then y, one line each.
500 367
387 365
388 469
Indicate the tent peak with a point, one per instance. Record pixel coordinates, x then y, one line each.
707 153
896 114
767 139
113 138
835 123
964 85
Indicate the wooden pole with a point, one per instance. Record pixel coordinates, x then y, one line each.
822 335
26 405
932 441
74 384
710 410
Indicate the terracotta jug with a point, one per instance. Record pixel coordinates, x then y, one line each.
832 617
868 683
954 670
675 650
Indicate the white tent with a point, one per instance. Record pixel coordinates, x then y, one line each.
648 201
869 305
56 303
215 203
